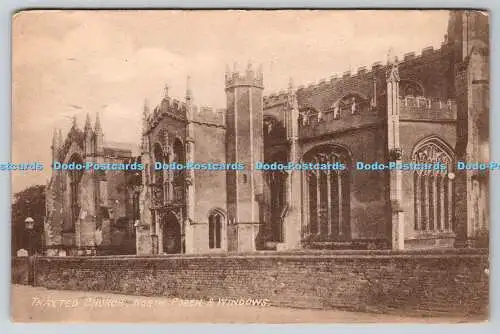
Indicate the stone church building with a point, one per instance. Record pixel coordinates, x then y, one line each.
90 210
425 108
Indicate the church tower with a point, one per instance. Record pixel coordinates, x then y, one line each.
245 145
467 29
468 34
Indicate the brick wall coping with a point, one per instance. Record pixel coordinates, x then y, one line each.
311 254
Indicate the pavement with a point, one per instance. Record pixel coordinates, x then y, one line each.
36 304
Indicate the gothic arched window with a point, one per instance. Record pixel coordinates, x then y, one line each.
326 196
215 221
433 189
410 88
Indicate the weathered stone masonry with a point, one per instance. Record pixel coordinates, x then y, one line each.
425 108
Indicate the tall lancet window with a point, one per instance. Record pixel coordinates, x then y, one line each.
158 188
215 228
433 189
326 195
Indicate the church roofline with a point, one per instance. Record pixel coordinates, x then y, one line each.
427 53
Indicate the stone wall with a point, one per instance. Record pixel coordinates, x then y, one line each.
368 189
412 134
210 185
19 270
452 281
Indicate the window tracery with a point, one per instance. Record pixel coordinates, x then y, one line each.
433 189
326 196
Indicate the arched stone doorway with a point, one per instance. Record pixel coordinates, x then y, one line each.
171 234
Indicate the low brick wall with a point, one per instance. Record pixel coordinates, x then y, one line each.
375 281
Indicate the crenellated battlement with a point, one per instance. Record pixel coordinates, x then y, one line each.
171 106
275 99
208 115
362 70
334 79
426 54
249 77
168 107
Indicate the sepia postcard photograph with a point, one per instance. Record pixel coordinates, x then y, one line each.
250 166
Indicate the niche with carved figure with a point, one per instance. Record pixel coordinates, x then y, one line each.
273 129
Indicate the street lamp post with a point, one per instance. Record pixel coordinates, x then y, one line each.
30 225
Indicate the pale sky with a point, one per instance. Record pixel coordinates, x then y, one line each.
68 63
